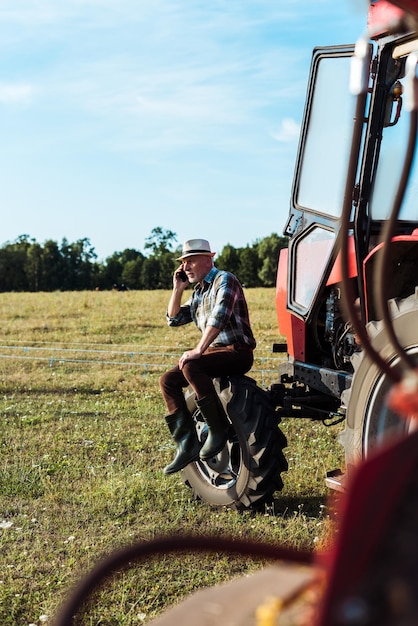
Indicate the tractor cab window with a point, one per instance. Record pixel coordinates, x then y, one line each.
312 253
391 158
326 138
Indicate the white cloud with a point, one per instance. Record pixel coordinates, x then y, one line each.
289 131
15 93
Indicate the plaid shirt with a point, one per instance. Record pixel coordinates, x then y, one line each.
220 303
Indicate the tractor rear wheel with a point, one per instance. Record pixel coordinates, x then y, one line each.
369 422
246 473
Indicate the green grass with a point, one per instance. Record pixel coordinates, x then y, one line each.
82 447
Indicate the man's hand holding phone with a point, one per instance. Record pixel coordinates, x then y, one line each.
180 274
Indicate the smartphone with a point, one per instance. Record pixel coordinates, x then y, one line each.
182 274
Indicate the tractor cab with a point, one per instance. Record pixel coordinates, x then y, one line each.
353 139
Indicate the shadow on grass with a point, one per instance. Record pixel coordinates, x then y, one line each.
287 506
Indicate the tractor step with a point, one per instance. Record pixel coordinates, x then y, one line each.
335 479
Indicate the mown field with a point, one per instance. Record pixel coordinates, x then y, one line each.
82 447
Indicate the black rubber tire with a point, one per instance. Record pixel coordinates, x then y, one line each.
247 472
369 423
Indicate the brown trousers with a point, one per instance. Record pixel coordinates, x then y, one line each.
230 360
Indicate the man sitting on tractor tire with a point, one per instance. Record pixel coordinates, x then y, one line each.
219 309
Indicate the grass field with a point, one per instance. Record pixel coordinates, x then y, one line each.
82 447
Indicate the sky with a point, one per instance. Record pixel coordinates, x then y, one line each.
121 116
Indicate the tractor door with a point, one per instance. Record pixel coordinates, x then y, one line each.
320 176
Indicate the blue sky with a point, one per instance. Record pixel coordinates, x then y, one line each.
118 116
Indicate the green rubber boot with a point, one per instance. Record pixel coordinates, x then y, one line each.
218 426
182 428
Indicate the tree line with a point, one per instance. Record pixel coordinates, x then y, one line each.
26 265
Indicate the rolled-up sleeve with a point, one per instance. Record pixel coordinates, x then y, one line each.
182 317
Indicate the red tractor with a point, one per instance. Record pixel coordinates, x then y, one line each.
367 135
354 176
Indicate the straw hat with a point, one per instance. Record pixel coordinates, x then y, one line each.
193 247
